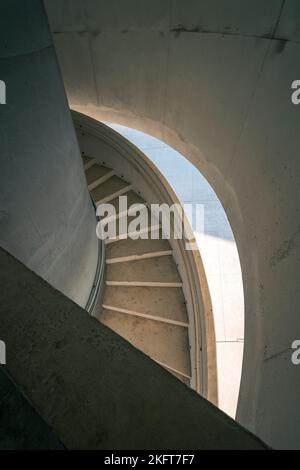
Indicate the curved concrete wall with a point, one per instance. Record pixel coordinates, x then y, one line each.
46 217
213 80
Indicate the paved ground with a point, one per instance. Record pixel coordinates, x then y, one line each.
220 257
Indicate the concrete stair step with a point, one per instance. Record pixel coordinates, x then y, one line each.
132 198
97 175
108 188
130 247
149 270
88 161
125 223
148 255
161 341
160 301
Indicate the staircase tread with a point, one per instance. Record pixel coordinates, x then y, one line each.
163 342
127 224
131 247
86 159
107 188
147 270
132 198
158 301
95 172
135 257
144 316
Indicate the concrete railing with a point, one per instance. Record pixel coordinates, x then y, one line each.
109 147
92 389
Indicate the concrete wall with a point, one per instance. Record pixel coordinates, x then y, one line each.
213 80
46 216
90 386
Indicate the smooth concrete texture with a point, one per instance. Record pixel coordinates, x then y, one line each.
92 388
46 216
219 253
21 427
213 80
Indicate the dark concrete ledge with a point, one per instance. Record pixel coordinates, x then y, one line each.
92 387
21 427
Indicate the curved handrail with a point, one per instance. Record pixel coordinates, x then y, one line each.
97 290
190 265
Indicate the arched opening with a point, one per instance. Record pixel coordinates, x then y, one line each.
218 250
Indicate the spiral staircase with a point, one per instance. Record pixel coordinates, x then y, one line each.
146 294
143 299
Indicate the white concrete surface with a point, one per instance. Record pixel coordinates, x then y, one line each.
47 220
220 257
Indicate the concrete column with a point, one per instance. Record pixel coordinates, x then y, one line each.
47 219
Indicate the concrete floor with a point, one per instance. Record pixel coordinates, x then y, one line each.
218 250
